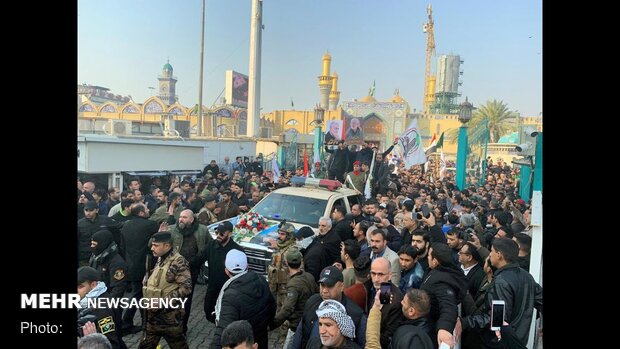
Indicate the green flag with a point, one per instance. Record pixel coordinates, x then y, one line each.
440 141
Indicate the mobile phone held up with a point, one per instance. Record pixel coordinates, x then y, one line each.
497 314
425 211
385 293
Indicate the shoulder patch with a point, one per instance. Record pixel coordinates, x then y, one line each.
119 274
106 325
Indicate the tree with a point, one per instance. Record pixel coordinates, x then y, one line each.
501 121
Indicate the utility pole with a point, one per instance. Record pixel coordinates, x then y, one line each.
202 50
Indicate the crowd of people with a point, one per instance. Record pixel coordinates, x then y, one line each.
442 253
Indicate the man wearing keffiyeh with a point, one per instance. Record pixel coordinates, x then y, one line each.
336 328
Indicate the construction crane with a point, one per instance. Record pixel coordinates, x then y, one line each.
428 28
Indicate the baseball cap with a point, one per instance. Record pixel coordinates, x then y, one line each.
87 274
330 275
224 227
236 261
91 205
293 256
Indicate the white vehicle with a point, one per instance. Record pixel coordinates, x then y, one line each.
300 205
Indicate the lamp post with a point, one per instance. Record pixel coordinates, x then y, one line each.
465 110
319 114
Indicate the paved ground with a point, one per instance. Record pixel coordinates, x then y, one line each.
199 330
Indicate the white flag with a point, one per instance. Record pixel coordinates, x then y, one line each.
316 158
276 170
367 191
442 165
411 144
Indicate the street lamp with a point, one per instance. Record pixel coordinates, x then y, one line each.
465 110
319 114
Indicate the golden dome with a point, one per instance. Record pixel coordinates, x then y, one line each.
368 99
397 99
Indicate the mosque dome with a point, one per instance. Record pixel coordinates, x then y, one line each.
368 99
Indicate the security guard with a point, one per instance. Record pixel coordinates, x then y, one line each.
278 271
301 285
356 179
107 260
170 278
106 321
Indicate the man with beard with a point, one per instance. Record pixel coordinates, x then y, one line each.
170 278
189 238
215 253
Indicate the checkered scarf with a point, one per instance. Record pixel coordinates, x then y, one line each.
336 311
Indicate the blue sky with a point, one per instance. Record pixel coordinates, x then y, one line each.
123 44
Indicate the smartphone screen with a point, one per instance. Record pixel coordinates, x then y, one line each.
497 315
425 211
385 293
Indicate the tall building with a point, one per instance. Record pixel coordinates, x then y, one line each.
167 85
325 81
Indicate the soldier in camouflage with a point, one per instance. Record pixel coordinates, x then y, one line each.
278 272
301 285
170 278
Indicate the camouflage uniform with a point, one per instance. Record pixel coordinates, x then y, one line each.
358 180
206 217
170 278
278 275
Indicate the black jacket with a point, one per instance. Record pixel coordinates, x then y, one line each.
135 236
215 254
474 279
343 229
112 268
106 322
412 334
521 293
446 287
247 298
315 258
86 229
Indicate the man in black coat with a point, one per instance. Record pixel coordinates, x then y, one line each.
105 320
446 286
244 296
135 236
108 262
87 226
516 287
339 161
413 331
323 250
215 253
